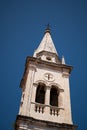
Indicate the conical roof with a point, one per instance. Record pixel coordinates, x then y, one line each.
47 43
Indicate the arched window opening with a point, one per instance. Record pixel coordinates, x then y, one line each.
54 96
40 93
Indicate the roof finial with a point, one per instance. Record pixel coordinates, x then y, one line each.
63 60
47 28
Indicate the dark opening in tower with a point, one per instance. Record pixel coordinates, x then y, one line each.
40 93
54 96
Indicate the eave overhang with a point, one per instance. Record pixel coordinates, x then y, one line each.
51 64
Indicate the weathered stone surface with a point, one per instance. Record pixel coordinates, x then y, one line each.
47 76
28 123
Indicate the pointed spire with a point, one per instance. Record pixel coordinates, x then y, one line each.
46 43
63 60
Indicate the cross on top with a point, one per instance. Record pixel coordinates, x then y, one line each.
47 28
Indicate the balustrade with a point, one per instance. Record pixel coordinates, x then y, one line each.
54 110
39 107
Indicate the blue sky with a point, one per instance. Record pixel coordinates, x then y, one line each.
22 25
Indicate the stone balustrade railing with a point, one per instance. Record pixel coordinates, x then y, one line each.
54 110
40 108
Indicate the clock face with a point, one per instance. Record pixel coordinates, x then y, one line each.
48 77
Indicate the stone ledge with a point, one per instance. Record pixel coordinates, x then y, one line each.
29 121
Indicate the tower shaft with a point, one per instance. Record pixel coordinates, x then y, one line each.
45 102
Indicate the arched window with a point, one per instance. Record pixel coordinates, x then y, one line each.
40 93
54 96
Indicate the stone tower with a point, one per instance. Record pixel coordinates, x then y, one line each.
45 102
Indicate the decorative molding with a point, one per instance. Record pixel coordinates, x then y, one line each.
56 85
33 67
65 74
40 81
48 77
49 64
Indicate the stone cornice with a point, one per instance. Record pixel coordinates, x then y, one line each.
49 64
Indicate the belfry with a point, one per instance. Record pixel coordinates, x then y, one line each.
45 102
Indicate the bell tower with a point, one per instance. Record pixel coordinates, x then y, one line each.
45 102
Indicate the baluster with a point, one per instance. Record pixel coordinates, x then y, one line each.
51 111
54 111
37 108
57 112
42 109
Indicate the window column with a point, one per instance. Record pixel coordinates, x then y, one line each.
34 92
47 99
60 100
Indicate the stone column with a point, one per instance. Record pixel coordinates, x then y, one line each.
34 92
60 101
47 99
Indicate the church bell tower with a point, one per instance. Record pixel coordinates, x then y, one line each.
45 102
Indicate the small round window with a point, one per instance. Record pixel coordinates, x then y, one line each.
48 58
